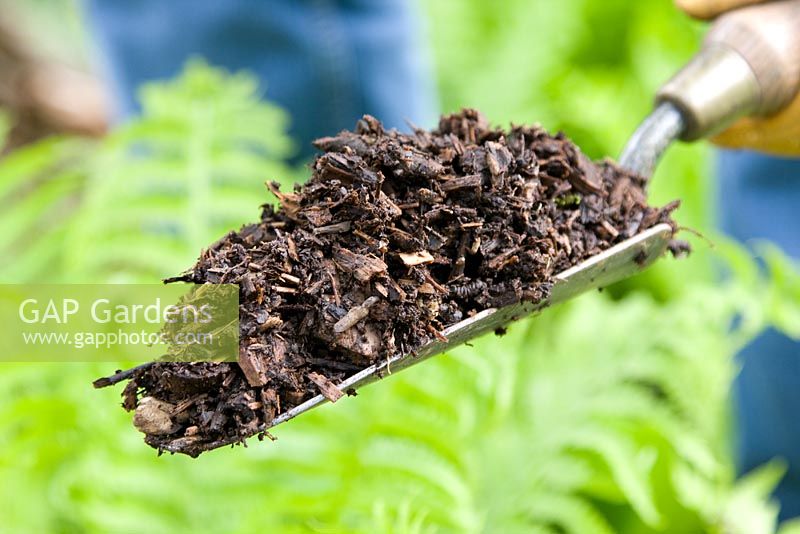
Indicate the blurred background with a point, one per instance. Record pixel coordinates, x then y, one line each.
608 414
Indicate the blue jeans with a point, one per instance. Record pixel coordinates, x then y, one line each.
759 198
327 62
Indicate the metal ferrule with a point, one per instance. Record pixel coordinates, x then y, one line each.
717 87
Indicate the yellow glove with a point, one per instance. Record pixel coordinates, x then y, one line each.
708 9
777 134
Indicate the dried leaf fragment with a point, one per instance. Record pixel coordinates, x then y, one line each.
153 416
416 258
363 267
326 387
355 315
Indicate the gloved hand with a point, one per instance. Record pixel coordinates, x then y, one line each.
777 134
708 9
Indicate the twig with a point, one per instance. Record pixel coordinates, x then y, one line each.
356 314
119 376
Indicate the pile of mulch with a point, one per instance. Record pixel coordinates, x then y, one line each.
394 238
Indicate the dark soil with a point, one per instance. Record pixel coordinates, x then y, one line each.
394 238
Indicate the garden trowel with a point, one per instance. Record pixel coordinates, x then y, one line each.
749 65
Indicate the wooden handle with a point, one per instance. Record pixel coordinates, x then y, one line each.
749 65
767 36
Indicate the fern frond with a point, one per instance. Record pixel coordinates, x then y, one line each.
566 513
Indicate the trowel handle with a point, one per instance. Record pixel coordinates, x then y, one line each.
749 65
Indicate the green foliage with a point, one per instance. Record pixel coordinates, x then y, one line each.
40 190
783 306
745 510
604 415
557 427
